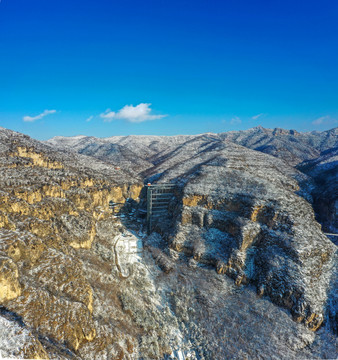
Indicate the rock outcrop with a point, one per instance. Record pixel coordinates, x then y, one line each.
244 213
75 286
324 172
50 205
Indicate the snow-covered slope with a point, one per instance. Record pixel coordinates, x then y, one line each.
73 287
289 145
324 171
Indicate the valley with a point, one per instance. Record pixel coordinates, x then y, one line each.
239 267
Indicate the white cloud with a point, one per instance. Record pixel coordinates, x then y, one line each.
235 120
90 118
133 114
321 120
257 116
38 117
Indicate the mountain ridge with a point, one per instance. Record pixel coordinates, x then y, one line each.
238 268
304 146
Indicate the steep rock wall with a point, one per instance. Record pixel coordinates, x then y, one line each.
246 214
50 207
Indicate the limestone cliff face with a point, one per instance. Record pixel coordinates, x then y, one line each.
324 171
52 195
9 274
50 205
244 213
79 283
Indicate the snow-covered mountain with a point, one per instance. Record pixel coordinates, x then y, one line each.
238 267
289 145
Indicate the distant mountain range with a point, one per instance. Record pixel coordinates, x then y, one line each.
289 145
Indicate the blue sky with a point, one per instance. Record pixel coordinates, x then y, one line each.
163 67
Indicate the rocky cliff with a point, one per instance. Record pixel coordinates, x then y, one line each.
247 214
80 282
50 205
324 172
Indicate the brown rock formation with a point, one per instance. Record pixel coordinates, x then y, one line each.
62 254
50 204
